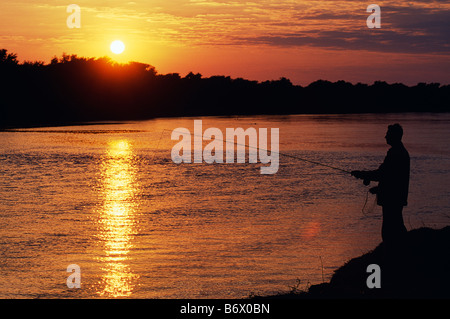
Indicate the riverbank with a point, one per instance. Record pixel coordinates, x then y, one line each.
419 268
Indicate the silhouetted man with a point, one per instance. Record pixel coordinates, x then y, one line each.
392 189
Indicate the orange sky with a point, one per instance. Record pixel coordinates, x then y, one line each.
260 40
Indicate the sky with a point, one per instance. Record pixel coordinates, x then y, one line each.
258 40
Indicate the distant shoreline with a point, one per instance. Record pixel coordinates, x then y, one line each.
72 90
14 128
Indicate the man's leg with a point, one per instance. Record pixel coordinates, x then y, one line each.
393 231
393 228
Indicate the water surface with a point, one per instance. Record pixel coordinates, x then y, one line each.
109 199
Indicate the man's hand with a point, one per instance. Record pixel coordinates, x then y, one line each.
357 174
361 175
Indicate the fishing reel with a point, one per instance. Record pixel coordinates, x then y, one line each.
373 190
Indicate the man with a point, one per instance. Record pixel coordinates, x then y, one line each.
393 184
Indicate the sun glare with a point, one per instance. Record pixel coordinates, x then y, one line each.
117 47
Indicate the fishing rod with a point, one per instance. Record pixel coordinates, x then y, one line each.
280 153
291 156
314 162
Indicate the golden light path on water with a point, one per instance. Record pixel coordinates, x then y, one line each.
117 220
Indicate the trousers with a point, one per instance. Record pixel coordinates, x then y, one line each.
393 228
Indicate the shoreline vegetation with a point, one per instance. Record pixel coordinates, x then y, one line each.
73 90
417 268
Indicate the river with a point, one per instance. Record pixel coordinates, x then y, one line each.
109 198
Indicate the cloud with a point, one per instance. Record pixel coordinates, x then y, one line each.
373 40
404 29
412 27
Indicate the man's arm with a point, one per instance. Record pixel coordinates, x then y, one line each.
372 175
368 175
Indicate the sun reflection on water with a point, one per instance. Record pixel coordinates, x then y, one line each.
117 220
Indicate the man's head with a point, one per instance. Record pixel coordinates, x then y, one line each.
394 134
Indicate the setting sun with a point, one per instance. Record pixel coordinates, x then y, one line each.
117 47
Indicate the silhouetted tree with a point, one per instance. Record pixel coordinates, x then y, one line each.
8 58
72 89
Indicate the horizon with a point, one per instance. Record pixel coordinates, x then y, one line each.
302 41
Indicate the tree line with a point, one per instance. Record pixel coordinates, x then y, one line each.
73 89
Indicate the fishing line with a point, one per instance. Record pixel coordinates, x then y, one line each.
283 154
370 210
291 156
157 145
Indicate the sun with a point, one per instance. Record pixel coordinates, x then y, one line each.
117 47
